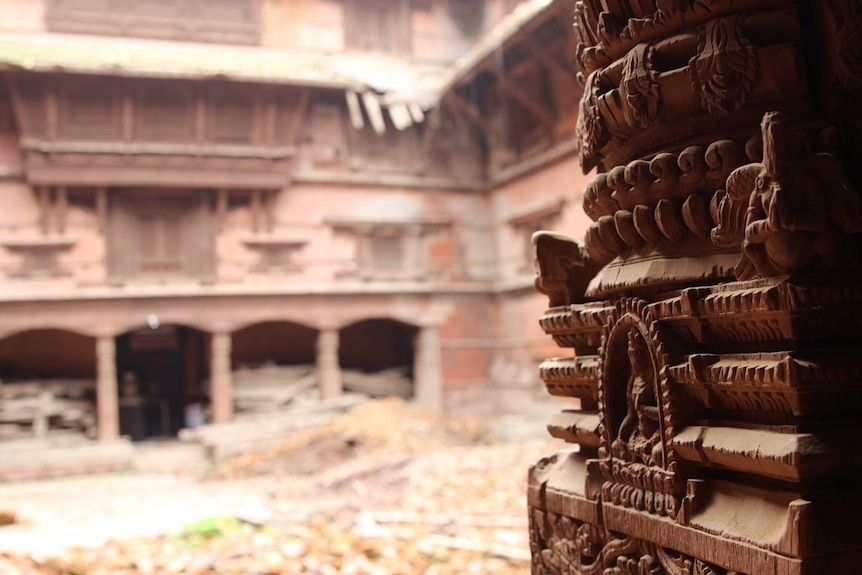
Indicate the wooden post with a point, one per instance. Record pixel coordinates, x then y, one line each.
427 377
221 381
107 401
328 369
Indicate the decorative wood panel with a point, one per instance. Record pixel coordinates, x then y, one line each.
89 109
165 113
142 132
159 235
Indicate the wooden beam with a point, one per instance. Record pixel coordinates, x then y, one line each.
221 207
533 105
297 121
545 57
61 202
473 114
102 208
44 208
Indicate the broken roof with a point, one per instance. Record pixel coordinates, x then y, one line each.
399 80
168 59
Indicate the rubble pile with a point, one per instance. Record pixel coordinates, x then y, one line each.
385 489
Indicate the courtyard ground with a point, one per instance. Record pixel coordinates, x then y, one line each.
385 489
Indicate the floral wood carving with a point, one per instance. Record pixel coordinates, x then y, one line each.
792 212
590 127
847 19
725 67
572 547
639 87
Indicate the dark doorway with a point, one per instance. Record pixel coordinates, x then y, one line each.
159 373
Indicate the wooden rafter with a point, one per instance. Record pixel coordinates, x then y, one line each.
545 57
473 114
530 103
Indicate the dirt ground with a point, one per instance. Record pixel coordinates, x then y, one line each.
386 489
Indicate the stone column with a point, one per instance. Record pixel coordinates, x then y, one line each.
328 369
107 400
221 381
427 377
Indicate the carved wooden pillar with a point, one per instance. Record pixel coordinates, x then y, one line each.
427 377
221 380
107 398
712 317
328 368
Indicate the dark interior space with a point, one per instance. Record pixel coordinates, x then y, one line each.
159 374
47 354
377 344
277 342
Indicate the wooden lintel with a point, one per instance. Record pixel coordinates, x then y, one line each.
529 102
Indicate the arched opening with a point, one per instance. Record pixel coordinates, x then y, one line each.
376 357
48 383
160 374
273 364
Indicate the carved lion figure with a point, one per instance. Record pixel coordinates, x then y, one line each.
791 213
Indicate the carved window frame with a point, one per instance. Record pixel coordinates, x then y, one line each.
192 210
408 238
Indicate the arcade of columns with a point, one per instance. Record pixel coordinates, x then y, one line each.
710 324
427 380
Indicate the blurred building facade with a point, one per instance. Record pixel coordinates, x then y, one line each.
193 186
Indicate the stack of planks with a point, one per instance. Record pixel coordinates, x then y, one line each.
271 387
393 382
32 408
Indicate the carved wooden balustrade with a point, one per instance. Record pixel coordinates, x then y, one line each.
711 322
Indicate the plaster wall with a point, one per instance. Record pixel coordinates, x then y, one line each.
23 16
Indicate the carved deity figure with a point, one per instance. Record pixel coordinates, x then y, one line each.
638 434
791 213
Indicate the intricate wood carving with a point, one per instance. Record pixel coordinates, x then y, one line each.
792 212
724 70
711 318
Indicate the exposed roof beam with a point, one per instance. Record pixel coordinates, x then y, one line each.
545 57
533 105
472 113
